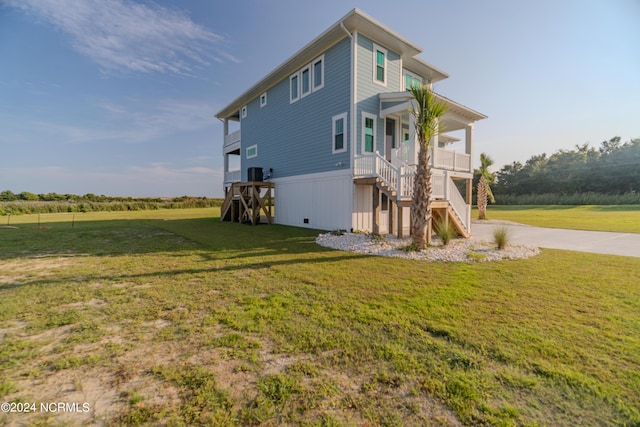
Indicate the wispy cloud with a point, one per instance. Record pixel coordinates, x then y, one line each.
124 36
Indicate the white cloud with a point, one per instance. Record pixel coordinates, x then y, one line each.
120 35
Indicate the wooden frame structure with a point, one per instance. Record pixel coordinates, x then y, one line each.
246 201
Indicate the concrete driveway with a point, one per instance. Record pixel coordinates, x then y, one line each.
600 242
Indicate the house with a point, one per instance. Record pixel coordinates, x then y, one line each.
329 130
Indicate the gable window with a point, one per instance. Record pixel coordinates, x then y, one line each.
339 126
368 132
244 112
379 65
252 151
294 83
305 81
318 73
263 100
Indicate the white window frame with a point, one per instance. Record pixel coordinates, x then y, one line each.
313 73
377 48
334 119
307 68
365 116
293 99
254 146
243 112
263 100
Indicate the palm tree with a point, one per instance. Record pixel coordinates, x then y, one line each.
484 190
426 112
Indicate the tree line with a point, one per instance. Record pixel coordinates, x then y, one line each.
613 169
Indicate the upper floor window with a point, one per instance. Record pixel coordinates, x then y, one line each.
368 132
379 65
263 100
339 126
318 73
252 151
306 80
294 83
411 80
243 112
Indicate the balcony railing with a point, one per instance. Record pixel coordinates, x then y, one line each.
231 139
232 176
451 160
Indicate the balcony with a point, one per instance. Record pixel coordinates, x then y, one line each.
232 142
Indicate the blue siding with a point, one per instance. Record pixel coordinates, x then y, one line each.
296 139
368 90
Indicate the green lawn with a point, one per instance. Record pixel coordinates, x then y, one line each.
624 218
174 317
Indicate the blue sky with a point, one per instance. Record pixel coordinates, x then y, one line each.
117 97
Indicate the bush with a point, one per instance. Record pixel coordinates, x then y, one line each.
501 236
445 231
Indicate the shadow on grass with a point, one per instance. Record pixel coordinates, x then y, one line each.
230 246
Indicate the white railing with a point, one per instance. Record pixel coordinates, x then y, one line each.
438 187
451 160
232 138
232 176
458 203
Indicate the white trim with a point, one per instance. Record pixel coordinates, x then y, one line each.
334 119
313 73
353 99
251 147
296 76
365 116
377 48
263 100
243 112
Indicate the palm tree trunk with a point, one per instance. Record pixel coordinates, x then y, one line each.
421 203
482 198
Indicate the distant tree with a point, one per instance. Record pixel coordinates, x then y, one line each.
486 179
25 195
426 113
8 196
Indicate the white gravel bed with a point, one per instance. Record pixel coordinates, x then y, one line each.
458 250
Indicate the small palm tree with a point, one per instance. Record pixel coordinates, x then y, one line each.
426 112
484 190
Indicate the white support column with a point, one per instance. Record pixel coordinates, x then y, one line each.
468 137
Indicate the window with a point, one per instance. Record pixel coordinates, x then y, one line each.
411 79
244 112
305 81
252 152
318 73
368 132
263 99
294 83
379 65
339 140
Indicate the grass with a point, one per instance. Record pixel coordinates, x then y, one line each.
173 317
621 218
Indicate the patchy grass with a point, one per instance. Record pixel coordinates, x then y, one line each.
622 218
176 318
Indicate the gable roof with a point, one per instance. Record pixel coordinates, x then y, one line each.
355 20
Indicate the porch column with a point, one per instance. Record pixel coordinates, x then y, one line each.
468 138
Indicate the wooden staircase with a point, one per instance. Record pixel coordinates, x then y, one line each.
244 202
441 210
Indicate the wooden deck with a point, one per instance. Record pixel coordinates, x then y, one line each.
247 202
